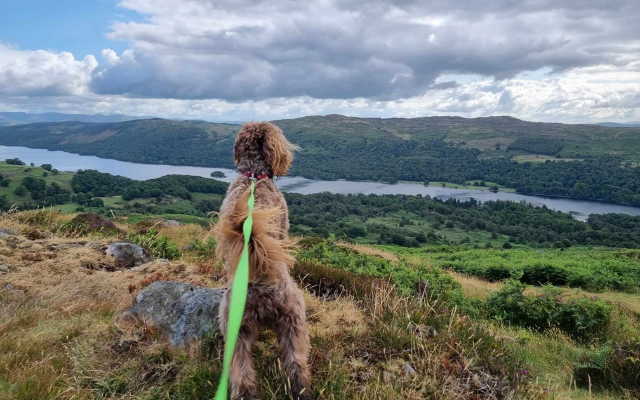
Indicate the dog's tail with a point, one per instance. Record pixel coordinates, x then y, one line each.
270 252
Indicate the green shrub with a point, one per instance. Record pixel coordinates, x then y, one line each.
583 319
611 366
408 279
160 245
204 248
595 271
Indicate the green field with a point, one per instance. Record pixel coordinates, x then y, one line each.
540 158
16 173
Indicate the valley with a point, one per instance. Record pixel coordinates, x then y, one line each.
590 162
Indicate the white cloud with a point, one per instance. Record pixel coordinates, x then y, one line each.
548 60
565 99
342 49
43 73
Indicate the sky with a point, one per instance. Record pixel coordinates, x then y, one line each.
573 61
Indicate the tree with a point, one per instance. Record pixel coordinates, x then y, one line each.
48 167
506 245
14 161
5 182
96 202
21 190
45 174
81 198
4 203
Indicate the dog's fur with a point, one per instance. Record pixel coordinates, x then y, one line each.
274 301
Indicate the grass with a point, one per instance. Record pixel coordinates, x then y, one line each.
539 158
58 340
17 172
579 267
467 185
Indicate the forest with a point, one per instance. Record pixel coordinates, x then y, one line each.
594 163
408 221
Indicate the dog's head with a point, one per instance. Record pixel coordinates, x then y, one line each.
262 148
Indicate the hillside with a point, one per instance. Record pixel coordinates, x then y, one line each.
591 159
407 221
384 324
16 118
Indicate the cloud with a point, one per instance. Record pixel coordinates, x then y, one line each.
342 49
565 99
43 73
560 60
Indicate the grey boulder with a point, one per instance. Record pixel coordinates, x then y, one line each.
182 313
128 255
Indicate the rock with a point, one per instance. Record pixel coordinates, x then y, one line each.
143 267
61 246
97 246
408 369
4 268
8 232
94 223
128 255
172 223
181 312
13 290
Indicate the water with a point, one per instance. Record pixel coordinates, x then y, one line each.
63 161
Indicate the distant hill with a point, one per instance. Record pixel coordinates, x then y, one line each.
441 149
617 125
15 118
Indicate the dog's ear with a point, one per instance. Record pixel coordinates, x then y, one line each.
277 150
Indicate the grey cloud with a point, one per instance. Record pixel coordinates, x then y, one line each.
382 50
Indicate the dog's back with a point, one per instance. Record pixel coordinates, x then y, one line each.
273 301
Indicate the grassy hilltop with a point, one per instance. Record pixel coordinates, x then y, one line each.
385 323
408 297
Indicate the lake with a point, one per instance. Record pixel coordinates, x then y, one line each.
64 161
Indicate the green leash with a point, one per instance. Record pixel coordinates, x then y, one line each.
237 302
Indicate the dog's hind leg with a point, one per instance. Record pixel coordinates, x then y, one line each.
293 342
242 374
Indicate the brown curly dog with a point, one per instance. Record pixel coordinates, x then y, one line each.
274 301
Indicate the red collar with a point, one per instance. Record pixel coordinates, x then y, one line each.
256 176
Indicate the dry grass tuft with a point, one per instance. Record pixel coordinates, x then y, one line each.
370 251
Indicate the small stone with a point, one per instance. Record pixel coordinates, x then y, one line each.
408 369
4 268
172 223
13 290
387 377
8 232
128 255
141 268
61 246
97 246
